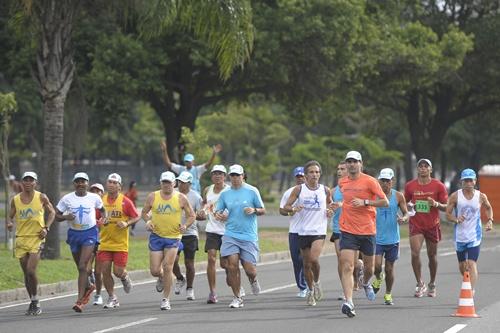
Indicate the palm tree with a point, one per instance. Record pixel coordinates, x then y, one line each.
225 25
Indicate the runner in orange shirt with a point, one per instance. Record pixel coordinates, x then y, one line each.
361 194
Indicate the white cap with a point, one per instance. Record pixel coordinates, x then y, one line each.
236 168
98 186
219 167
386 173
168 176
116 177
12 177
30 174
82 175
354 155
424 160
185 177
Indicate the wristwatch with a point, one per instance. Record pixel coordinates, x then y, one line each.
367 202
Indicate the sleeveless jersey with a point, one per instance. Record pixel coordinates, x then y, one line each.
387 222
313 220
213 225
166 216
470 230
113 238
29 217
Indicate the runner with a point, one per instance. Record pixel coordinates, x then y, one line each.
239 207
15 186
114 244
214 229
293 235
95 275
464 209
387 239
313 211
427 196
28 208
78 208
166 207
189 238
361 193
196 170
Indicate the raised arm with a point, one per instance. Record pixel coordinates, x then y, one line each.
215 150
164 154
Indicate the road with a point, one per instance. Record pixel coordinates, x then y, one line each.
278 310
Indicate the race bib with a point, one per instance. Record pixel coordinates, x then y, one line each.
422 206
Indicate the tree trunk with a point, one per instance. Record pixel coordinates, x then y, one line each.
54 74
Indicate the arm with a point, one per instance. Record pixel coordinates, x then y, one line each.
12 213
164 154
130 212
403 208
188 211
452 203
330 208
291 199
145 211
47 206
489 211
60 216
215 150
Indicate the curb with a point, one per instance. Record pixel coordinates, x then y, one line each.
63 287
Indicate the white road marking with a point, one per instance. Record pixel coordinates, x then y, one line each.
134 323
270 290
456 328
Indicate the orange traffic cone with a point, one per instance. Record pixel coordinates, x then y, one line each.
466 301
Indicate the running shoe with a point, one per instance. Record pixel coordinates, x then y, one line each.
388 299
37 309
369 292
302 293
310 300
212 298
420 289
165 304
190 294
348 309
255 287
236 303
111 303
97 300
178 286
78 307
127 284
317 292
29 312
431 291
88 291
159 285
242 291
377 283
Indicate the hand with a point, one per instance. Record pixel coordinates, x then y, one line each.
10 226
182 228
432 202
489 225
150 226
356 202
221 216
201 215
250 210
460 219
122 224
402 219
43 233
336 205
329 213
69 217
217 148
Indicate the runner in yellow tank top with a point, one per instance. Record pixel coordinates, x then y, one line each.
114 239
28 209
164 222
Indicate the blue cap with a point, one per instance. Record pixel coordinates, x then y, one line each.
468 174
298 171
188 158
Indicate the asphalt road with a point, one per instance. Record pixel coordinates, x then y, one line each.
278 310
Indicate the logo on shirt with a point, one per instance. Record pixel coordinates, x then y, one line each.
165 209
312 203
468 212
26 213
80 212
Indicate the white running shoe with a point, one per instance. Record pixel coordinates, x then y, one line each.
178 286
310 298
97 300
255 287
127 284
302 293
318 293
242 291
159 285
190 294
111 303
236 303
165 304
